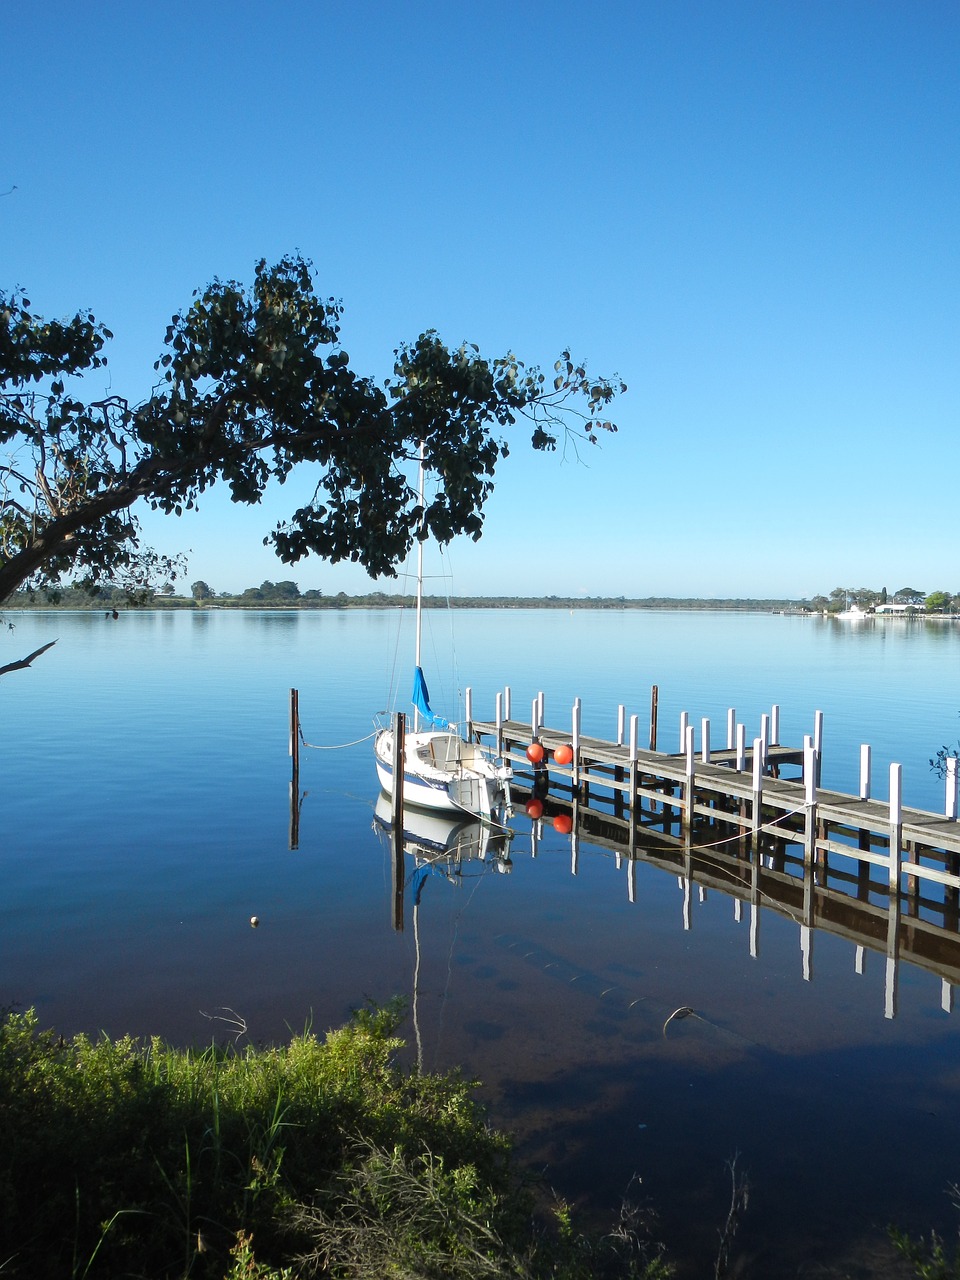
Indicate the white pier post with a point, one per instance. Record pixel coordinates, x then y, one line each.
818 741
705 740
684 721
575 742
775 725
731 728
506 702
688 793
810 804
765 735
541 715
534 724
499 724
621 723
951 802
634 736
757 784
741 748
866 757
896 829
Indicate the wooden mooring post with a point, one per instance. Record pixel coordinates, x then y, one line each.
295 731
294 840
396 818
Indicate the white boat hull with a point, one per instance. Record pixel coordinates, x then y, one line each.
444 773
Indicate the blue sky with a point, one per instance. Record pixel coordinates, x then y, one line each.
748 209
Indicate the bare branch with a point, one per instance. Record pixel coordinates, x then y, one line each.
25 662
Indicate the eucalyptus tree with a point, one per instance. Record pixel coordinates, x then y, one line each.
253 383
938 601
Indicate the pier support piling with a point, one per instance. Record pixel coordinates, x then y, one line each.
689 784
950 807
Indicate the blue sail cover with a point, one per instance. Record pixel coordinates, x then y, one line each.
421 694
421 700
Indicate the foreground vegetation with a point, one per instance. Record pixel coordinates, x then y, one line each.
318 1158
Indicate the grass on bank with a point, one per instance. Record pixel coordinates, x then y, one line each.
322 1157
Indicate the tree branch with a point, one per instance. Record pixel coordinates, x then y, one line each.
25 662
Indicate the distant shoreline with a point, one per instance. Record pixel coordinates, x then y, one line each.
381 600
113 600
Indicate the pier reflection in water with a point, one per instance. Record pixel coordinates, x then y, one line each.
769 872
920 927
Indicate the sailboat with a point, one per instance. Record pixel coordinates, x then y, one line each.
441 770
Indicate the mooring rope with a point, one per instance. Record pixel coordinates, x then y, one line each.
337 746
764 827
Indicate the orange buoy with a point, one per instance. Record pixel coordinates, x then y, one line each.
563 823
535 809
535 753
563 755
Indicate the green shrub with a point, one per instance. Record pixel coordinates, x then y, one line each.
123 1158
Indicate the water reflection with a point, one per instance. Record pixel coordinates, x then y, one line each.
920 927
271 619
451 849
769 877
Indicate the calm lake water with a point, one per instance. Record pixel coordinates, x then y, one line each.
146 814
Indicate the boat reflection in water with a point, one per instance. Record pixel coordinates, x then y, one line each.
448 847
447 842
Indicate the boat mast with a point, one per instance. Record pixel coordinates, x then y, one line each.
419 626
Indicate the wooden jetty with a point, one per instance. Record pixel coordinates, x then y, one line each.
761 817
746 789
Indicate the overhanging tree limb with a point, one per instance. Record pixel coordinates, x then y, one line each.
254 383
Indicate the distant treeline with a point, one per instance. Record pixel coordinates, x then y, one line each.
287 595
